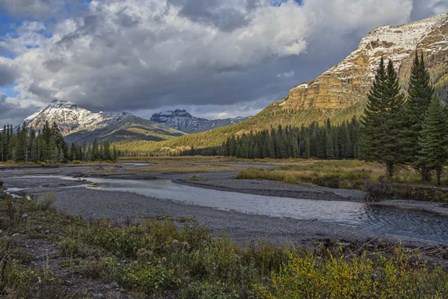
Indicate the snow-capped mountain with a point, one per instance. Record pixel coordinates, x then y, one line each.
346 84
81 125
181 120
70 118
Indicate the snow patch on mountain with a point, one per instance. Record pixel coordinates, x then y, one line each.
181 120
391 42
69 117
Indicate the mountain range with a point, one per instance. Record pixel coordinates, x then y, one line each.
81 125
340 93
183 121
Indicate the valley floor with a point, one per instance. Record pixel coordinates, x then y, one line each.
80 192
215 174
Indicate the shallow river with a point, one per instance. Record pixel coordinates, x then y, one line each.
383 220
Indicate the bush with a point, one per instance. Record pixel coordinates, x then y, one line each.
335 276
46 200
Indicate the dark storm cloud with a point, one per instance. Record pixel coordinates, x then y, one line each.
7 74
11 113
423 9
216 12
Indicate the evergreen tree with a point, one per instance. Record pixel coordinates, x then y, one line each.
392 129
380 123
373 116
420 93
433 139
329 144
306 146
21 144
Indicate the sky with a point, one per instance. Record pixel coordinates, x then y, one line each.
214 58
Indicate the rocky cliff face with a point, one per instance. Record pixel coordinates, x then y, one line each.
346 84
183 121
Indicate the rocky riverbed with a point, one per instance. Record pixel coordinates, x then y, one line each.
78 196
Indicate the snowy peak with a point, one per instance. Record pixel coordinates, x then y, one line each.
168 115
392 42
81 125
68 116
181 120
62 104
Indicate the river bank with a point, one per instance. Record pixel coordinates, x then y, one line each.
49 254
170 226
75 198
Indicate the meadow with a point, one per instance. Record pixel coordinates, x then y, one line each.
353 174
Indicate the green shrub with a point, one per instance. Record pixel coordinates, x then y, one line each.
336 276
46 200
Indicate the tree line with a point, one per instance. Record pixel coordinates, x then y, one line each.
397 130
47 145
315 141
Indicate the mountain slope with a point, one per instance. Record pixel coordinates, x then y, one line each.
69 117
183 121
81 125
341 92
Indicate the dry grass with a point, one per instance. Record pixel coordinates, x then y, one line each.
353 174
174 165
350 174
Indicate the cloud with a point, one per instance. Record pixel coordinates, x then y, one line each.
422 9
285 75
40 9
12 111
7 72
130 54
31 9
142 55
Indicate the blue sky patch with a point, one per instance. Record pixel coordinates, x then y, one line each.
8 90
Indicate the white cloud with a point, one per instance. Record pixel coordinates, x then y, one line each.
86 57
285 75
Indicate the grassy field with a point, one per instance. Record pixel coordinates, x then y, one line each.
167 259
353 174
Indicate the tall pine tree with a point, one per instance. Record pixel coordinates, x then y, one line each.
380 123
433 139
420 93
